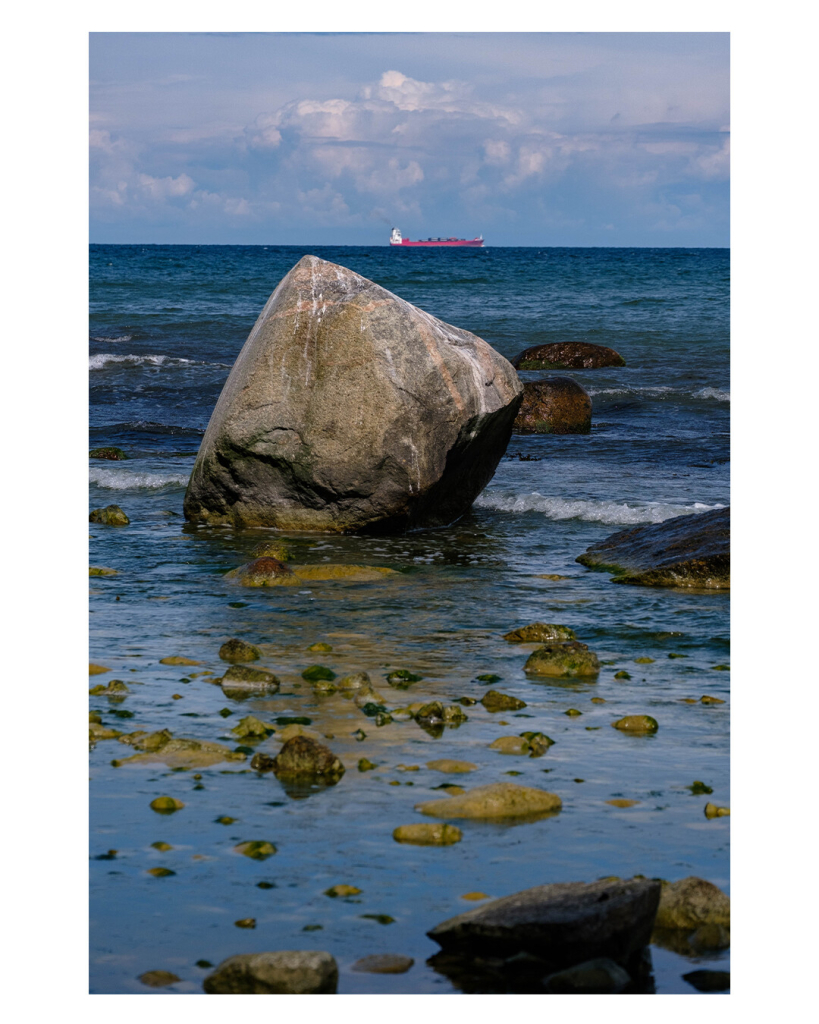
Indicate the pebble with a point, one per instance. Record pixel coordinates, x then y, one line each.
424 834
452 767
623 803
712 811
166 805
383 963
636 724
342 890
158 979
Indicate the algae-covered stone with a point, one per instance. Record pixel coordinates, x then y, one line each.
302 756
245 922
383 963
240 680
567 355
320 648
97 670
636 724
162 847
236 650
115 688
166 805
256 849
342 890
261 572
567 660
556 405
365 766
622 674
692 902
273 549
402 678
111 453
622 802
697 788
316 673
160 872
500 800
102 570
177 659
252 728
158 979
451 767
474 896
712 811
572 712
494 701
423 834
510 745
705 699
539 743
262 763
540 632
643 661
283 972
602 976
111 515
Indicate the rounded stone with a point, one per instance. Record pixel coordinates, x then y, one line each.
692 902
166 805
636 724
557 405
563 661
236 650
283 972
111 515
451 767
423 834
500 800
158 979
567 355
540 632
383 963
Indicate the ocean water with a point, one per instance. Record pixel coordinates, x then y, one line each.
166 324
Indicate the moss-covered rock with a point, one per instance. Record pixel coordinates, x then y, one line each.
320 648
567 660
567 355
166 805
540 632
273 549
342 890
538 742
712 811
622 802
451 767
251 728
499 800
692 902
111 515
111 453
176 659
317 673
402 678
557 405
283 972
643 661
160 872
636 724
705 699
303 756
383 963
510 745
97 731
256 849
422 834
622 674
235 650
115 688
97 670
270 572
159 979
102 570
494 701
261 572
242 681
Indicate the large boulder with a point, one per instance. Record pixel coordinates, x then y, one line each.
567 355
349 409
686 551
557 405
562 924
283 972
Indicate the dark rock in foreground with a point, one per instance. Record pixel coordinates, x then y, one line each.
555 406
561 925
284 972
686 551
349 409
567 355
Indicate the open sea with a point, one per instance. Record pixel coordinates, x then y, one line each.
166 324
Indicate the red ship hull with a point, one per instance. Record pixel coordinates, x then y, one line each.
472 242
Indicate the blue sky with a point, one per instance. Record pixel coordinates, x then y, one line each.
295 138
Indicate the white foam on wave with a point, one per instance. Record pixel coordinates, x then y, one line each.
615 513
110 339
105 359
663 392
717 393
128 480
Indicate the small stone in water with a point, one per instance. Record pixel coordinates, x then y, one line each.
342 890
474 896
359 735
697 788
489 677
320 648
246 922
203 964
166 805
636 724
225 820
622 803
721 668
265 885
643 661
672 655
381 918
622 674
162 846
176 659
160 872
315 673
313 928
158 979
257 849
225 712
573 712
712 811
423 834
597 700
365 766
579 780
175 696
383 963
705 699
235 650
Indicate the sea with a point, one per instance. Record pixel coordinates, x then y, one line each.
166 324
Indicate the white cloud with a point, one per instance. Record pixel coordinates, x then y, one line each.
166 188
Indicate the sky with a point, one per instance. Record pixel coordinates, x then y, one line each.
543 139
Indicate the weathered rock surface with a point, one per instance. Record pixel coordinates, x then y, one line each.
450 766
284 972
268 572
636 724
541 633
176 752
692 902
242 681
111 515
422 834
563 660
273 549
500 800
602 976
157 979
557 405
111 453
686 551
236 650
567 355
493 701
564 924
349 409
302 755
383 963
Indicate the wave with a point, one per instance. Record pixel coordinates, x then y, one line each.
719 394
147 426
105 359
127 480
613 513
107 338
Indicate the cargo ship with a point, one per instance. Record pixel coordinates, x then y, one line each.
396 238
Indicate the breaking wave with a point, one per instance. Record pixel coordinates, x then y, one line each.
106 359
718 394
127 480
614 513
107 338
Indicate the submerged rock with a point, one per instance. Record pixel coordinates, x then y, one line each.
236 650
567 355
256 849
115 688
383 963
97 670
252 728
342 890
563 924
176 752
111 453
707 981
510 745
451 767
102 570
177 659
261 572
557 405
500 800
686 551
284 972
493 701
423 834
433 405
692 902
241 681
302 755
158 979
636 724
601 976
566 660
273 549
111 515
540 632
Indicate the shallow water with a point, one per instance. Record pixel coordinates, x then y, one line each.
175 318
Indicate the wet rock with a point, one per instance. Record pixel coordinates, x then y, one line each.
358 682
380 918
539 743
304 756
241 681
698 788
111 453
474 896
686 551
423 834
317 673
567 660
116 688
320 648
283 735
383 963
692 902
365 766
402 678
708 981
97 670
342 890
620 802
176 752
272 549
557 405
710 936
705 699
102 570
451 767
622 674
434 408
166 805
510 745
176 659
257 849
494 701
97 731
601 976
162 847
236 650
539 632
643 661
158 979
564 924
262 763
261 572
111 515
572 712
284 972
636 724
712 811
500 800
567 355
252 728
160 872
246 922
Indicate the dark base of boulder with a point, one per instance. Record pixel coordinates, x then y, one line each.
567 355
557 405
686 551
